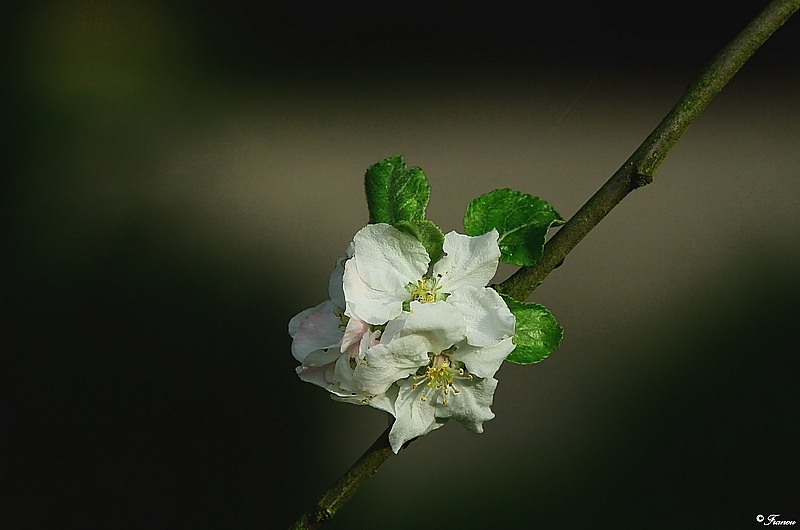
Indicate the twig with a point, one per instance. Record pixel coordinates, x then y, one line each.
340 493
640 168
636 172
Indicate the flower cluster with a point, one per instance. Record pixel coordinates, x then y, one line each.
421 341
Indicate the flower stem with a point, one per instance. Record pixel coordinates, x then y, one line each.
640 168
636 172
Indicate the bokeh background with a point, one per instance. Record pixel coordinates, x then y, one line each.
181 176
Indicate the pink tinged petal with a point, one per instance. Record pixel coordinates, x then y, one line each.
386 363
414 417
485 361
387 259
471 405
353 333
374 306
318 331
368 341
468 260
487 316
294 323
350 359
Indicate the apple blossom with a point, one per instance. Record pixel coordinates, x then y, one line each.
426 353
388 270
422 346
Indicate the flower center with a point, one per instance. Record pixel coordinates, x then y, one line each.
426 290
439 375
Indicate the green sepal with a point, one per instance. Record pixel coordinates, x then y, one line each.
536 333
395 192
522 221
428 234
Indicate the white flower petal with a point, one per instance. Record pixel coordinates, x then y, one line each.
483 361
439 323
469 260
384 402
471 405
393 328
322 357
487 316
375 306
386 363
343 375
388 259
335 290
318 375
414 417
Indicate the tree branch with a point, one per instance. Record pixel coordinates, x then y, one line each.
640 168
636 172
340 493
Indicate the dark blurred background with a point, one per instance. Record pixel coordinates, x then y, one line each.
179 178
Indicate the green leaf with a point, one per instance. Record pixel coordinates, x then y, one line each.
428 234
536 333
395 192
522 221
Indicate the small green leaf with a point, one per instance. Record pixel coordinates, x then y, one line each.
536 333
428 234
522 221
395 192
